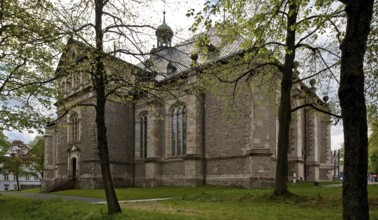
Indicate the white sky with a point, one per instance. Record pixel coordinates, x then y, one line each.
152 14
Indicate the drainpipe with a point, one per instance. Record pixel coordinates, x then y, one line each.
305 144
204 161
133 143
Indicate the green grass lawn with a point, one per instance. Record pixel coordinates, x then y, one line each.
307 202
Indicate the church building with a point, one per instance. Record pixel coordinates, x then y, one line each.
206 132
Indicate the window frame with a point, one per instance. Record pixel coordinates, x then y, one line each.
179 130
75 127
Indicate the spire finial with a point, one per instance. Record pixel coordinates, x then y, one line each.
164 16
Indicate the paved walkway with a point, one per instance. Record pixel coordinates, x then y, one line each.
53 196
72 198
97 200
340 184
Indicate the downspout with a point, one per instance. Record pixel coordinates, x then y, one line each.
204 161
305 144
133 143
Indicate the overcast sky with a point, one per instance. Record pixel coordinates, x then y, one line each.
176 18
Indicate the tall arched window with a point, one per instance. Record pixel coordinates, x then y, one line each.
75 127
179 123
63 87
143 136
75 80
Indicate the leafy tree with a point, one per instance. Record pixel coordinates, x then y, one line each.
100 87
4 145
16 159
373 147
274 32
373 158
371 68
28 40
373 139
353 108
108 22
3 141
36 157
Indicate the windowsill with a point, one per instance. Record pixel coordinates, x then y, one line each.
172 158
74 142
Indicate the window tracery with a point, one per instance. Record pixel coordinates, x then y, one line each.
179 130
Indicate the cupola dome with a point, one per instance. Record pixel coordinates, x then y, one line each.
164 34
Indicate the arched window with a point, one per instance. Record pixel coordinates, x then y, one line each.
68 84
63 87
75 80
74 127
179 123
143 136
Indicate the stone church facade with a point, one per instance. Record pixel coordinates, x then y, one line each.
187 140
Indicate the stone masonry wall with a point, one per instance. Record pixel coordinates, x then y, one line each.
225 138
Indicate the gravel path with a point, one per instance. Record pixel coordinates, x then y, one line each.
72 198
53 196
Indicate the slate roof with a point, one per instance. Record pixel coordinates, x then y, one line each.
179 56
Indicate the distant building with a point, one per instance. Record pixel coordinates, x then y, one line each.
8 180
184 141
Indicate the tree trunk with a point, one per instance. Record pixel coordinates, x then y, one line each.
284 114
111 197
353 109
18 182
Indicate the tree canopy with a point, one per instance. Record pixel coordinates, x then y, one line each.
29 41
36 157
14 159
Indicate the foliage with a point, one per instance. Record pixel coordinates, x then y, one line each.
36 157
309 202
4 145
28 41
373 147
3 142
371 67
15 159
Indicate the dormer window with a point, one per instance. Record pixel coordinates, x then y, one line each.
212 52
211 48
171 68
